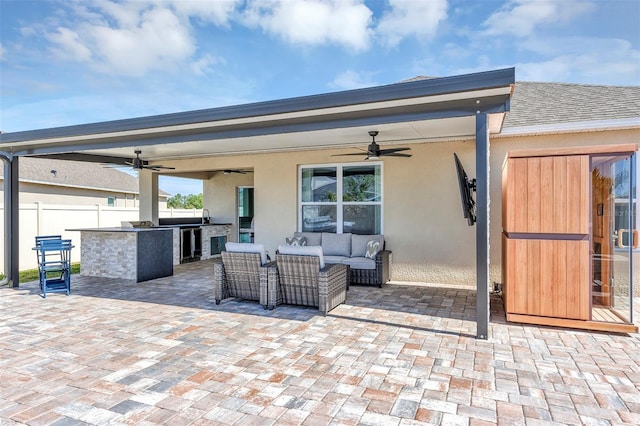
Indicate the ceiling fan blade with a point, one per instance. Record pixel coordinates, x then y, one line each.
391 150
159 167
393 154
241 172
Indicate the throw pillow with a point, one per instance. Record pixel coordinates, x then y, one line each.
372 249
296 241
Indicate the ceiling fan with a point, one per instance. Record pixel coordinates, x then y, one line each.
242 172
139 164
374 152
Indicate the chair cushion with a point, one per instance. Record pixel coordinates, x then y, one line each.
373 247
335 259
313 238
248 248
336 244
359 243
360 263
296 241
302 251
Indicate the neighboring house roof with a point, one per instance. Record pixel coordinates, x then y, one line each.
77 174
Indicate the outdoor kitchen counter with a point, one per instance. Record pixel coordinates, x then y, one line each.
138 254
212 236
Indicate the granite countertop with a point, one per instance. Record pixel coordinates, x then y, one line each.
146 229
192 225
119 229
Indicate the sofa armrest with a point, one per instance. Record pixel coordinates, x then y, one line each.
332 286
219 282
270 294
383 262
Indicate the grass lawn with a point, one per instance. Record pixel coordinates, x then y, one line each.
32 274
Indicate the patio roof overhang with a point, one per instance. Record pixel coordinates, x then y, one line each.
420 110
470 106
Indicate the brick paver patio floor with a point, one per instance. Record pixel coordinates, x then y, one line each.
162 352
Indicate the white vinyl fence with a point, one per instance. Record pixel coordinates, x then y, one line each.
55 219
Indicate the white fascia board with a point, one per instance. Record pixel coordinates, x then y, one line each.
572 127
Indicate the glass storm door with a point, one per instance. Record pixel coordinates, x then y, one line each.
614 234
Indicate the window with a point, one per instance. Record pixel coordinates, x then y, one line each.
111 201
341 198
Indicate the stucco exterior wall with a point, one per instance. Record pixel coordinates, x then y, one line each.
423 221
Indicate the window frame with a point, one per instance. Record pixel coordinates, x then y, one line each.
340 203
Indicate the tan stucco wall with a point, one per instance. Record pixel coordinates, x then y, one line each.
423 222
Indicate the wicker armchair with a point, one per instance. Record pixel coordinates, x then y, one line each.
303 282
242 275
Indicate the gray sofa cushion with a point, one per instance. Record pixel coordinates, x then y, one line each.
359 243
335 259
313 238
360 263
336 244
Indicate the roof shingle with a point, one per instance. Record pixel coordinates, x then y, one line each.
77 174
534 104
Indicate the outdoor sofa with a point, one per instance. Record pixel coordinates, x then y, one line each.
365 255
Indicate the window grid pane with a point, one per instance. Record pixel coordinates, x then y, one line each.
341 199
319 184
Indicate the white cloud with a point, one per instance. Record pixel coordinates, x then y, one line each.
607 61
217 12
410 17
204 65
159 40
522 17
134 37
2 52
313 22
583 68
351 80
69 45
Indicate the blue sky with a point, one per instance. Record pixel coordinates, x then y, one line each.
71 62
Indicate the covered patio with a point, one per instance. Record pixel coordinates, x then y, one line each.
274 139
162 351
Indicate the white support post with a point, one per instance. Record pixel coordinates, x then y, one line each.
148 182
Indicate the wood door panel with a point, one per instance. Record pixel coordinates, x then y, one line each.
547 195
548 278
